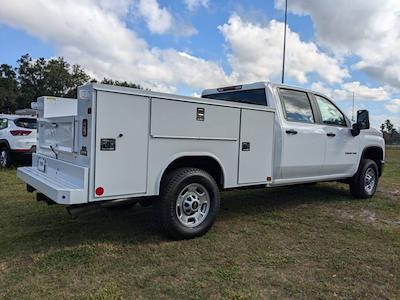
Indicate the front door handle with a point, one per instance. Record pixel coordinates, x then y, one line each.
291 131
331 134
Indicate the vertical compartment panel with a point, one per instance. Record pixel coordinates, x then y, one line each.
256 146
122 129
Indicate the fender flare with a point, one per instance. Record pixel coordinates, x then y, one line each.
177 156
365 150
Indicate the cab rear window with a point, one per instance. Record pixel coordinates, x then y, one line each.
256 96
28 123
297 106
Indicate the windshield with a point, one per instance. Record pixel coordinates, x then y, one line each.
28 123
256 96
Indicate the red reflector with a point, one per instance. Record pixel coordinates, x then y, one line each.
84 127
269 178
20 132
99 191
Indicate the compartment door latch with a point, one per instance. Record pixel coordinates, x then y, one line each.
246 146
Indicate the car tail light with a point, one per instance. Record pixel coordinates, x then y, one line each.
20 132
84 127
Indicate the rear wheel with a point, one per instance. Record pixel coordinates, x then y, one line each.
364 183
188 203
5 157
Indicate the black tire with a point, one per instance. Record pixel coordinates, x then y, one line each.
359 186
5 157
184 183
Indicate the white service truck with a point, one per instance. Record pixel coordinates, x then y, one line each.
176 152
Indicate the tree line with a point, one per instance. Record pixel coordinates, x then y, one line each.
32 78
390 133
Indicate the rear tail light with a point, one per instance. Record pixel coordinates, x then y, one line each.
84 127
99 191
20 132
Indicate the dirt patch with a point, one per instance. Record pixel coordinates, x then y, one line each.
16 262
367 216
391 193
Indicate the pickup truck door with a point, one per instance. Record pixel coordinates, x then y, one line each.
303 140
341 147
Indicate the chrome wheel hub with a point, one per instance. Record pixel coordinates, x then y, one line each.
369 180
3 158
192 205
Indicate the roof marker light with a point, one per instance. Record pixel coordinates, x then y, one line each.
230 88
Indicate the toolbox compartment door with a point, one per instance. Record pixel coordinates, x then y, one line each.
256 146
122 130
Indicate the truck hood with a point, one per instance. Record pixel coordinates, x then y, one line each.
374 132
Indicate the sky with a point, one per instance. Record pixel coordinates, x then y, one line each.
337 47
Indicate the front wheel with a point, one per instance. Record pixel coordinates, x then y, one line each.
188 204
364 183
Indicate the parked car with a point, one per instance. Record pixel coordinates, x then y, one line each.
180 152
17 139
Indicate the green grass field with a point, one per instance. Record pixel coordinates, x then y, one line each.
293 242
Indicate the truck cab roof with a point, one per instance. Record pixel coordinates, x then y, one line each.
257 93
251 86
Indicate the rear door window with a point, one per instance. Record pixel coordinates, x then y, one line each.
3 124
27 123
256 96
297 106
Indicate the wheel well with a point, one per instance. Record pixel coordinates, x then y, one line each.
206 163
376 154
4 143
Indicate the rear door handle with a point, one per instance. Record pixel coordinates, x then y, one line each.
331 134
291 131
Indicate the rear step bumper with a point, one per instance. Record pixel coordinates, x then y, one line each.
62 188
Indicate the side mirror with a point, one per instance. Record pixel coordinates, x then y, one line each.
362 122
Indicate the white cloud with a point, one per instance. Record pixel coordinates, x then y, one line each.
86 33
345 91
158 19
119 7
193 5
100 41
257 53
393 106
366 28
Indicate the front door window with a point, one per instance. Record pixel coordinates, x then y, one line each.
329 113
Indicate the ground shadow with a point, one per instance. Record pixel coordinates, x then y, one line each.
53 227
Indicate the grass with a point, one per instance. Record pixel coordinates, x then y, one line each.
293 242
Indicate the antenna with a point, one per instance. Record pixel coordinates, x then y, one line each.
352 114
284 46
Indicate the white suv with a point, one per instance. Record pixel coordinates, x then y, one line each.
17 138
